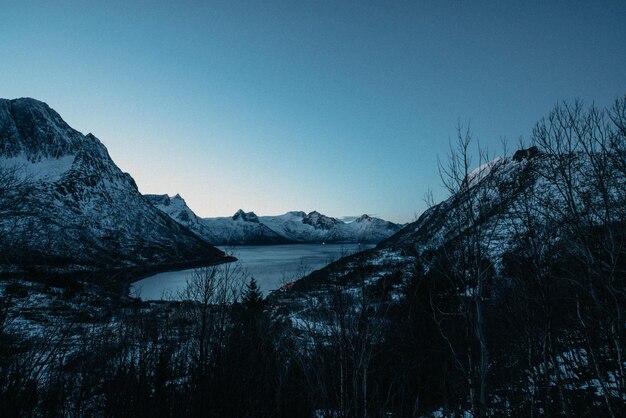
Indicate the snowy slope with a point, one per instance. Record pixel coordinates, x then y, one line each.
79 210
496 188
176 208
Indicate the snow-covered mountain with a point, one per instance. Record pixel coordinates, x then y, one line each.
65 205
496 192
291 227
315 227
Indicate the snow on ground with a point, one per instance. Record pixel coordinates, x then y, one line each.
49 169
482 171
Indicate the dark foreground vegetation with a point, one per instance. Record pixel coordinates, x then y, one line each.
519 311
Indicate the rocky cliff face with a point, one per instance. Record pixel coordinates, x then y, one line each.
78 210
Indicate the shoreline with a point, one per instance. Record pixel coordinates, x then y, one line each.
115 277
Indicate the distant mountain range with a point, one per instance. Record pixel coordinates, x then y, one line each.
291 227
65 206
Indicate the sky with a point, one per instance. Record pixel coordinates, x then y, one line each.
338 106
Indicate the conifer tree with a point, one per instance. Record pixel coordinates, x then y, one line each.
252 297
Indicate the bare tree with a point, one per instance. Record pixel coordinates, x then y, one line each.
471 231
586 197
210 291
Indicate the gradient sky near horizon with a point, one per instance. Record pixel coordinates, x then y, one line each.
335 106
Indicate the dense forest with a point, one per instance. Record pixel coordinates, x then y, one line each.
517 310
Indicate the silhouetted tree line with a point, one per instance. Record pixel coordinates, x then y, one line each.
537 331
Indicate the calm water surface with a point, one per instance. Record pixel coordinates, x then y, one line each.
270 265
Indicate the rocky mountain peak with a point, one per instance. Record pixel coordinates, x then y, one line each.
319 221
32 129
245 216
526 154
158 199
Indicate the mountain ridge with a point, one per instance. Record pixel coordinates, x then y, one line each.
292 227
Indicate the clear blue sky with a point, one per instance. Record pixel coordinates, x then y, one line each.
336 106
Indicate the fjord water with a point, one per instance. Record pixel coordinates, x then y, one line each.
271 266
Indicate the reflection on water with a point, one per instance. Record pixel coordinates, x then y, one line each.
271 266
